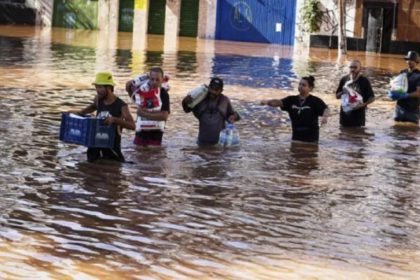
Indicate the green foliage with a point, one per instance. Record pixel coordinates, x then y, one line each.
311 15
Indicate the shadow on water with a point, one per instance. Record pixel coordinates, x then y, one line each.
346 208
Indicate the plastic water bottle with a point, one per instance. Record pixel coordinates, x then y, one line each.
229 136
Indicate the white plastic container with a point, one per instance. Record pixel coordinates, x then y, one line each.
198 94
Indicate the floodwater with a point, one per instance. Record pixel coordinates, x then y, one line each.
347 208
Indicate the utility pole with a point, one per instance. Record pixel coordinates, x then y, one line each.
342 41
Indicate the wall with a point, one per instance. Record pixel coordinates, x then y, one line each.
329 26
408 21
207 19
44 11
263 21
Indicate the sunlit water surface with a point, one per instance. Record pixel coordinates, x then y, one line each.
347 208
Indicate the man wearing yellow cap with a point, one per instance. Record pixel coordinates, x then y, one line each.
115 111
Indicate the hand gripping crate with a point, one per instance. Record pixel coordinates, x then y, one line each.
86 131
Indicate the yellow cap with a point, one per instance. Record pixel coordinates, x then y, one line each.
104 79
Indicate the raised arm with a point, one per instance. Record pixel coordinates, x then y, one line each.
272 103
87 110
187 100
128 87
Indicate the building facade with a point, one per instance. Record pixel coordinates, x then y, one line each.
372 25
384 26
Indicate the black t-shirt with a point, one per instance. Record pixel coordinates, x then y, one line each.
304 116
102 111
363 87
157 135
411 104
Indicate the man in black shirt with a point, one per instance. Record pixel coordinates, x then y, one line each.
356 81
407 108
115 111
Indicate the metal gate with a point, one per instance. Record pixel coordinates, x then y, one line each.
126 15
157 11
265 21
189 18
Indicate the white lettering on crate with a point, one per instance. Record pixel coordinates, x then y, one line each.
75 132
102 136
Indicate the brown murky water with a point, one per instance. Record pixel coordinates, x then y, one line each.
348 208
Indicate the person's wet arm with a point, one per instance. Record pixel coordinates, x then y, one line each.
273 103
125 121
415 93
325 116
87 110
339 91
129 88
153 115
370 96
187 100
232 115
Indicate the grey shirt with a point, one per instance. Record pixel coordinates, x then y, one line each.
212 113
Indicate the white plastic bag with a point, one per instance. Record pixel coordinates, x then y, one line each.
399 83
350 99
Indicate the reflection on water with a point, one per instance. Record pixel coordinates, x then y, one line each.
347 208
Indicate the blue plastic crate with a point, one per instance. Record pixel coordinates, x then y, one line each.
87 131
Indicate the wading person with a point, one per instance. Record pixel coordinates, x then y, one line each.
115 111
212 112
304 110
153 108
407 107
359 84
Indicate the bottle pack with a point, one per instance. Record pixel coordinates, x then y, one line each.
229 136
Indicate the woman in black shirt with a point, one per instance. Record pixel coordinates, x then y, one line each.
304 110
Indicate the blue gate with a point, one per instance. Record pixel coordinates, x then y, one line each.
264 21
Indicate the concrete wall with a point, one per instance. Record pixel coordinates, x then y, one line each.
329 26
207 19
301 37
44 11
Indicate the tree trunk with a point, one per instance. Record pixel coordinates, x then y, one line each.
342 41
